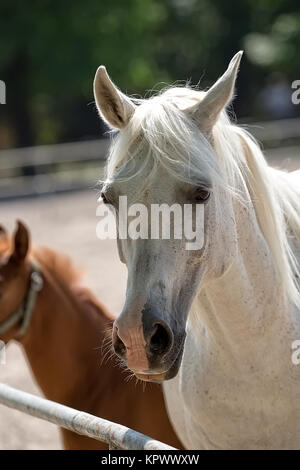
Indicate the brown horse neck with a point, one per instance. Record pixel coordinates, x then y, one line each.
64 341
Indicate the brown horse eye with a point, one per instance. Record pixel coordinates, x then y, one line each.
202 195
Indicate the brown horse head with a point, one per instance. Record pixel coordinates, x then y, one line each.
14 273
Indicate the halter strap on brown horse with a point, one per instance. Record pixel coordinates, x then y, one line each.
24 312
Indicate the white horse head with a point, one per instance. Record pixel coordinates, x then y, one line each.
180 147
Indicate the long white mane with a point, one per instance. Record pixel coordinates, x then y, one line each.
162 133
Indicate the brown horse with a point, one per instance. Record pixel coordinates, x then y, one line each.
60 324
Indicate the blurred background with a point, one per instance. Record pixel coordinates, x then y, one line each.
53 145
50 50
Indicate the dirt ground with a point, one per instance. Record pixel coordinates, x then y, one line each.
67 223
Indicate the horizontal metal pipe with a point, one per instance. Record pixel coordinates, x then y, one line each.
82 423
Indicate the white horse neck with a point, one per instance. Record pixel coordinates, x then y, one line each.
247 303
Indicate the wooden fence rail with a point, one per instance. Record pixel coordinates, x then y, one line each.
77 165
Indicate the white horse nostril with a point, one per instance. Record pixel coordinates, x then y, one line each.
118 344
161 339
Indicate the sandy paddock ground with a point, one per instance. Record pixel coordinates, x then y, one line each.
67 223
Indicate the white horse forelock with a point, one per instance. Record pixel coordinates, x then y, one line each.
163 133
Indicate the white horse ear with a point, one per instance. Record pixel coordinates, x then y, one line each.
217 97
114 107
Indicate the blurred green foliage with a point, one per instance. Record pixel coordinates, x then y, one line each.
50 49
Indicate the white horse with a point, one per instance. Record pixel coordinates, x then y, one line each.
216 324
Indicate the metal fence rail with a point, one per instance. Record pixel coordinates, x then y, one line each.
116 435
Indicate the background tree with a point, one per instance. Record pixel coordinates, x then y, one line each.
49 51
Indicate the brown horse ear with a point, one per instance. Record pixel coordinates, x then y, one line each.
21 243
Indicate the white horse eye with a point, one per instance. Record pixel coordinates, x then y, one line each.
202 195
104 199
